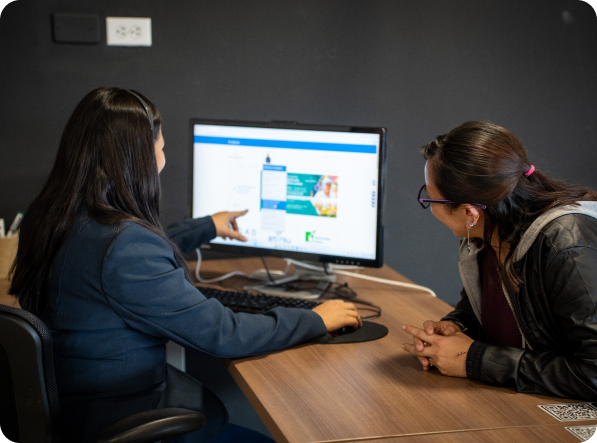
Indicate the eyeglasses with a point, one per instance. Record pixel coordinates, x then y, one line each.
425 202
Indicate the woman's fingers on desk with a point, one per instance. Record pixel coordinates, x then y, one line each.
425 363
447 353
419 346
419 333
337 313
435 327
440 327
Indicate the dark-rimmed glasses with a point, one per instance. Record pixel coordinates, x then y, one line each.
425 202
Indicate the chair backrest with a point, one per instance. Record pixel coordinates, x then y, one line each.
29 403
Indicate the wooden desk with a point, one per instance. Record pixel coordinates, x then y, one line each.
315 393
376 391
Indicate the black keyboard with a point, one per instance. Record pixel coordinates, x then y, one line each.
255 303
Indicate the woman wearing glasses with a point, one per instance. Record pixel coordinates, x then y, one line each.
528 262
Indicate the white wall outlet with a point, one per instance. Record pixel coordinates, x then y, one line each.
128 31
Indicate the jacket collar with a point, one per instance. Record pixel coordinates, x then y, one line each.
529 237
469 267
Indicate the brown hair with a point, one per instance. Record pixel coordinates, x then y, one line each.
484 163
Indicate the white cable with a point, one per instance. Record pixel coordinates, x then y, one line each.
364 277
315 268
231 274
212 280
389 282
285 273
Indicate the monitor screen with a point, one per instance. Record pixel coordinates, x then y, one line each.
313 192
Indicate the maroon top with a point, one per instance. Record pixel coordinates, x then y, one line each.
496 315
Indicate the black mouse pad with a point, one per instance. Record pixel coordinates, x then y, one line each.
368 332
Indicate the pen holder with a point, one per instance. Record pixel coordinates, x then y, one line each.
8 252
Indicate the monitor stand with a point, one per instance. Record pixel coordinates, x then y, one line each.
303 283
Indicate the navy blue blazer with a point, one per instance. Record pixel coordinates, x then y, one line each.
117 295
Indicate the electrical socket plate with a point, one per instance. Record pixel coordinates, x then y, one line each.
128 31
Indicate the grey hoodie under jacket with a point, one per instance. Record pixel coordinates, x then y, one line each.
555 309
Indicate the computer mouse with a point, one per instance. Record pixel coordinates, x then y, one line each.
343 331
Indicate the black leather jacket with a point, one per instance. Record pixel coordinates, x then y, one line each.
556 310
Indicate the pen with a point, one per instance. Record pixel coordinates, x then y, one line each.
1 228
15 224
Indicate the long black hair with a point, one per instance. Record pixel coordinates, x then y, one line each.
106 166
484 163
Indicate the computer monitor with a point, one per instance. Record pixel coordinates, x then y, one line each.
313 192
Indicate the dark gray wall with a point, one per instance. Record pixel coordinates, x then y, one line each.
419 68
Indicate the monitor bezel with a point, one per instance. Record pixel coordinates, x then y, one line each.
251 251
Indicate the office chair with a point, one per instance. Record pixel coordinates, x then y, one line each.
29 404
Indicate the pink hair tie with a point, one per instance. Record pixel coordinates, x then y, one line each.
530 171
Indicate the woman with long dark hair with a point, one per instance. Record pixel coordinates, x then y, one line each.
528 262
95 264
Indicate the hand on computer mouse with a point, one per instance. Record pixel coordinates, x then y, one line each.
337 314
226 226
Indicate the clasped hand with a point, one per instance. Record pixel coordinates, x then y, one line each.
440 344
